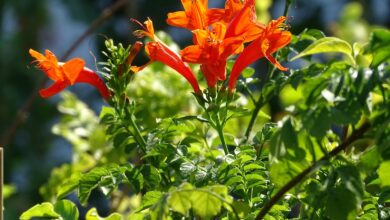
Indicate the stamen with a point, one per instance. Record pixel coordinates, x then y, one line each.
137 22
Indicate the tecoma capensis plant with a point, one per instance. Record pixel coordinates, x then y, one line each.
209 142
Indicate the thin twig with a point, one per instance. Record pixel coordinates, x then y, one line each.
23 112
297 179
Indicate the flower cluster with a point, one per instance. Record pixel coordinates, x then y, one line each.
217 35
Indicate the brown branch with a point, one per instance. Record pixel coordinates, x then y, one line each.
23 112
297 179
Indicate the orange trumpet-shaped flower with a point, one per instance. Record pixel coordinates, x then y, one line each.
272 38
212 49
196 15
161 53
243 20
66 74
158 51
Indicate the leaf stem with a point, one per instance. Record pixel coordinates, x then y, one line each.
219 129
258 105
137 134
297 179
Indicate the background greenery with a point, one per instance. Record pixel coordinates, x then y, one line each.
33 151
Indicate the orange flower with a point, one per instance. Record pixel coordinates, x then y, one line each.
242 21
158 51
66 74
196 15
232 7
212 49
272 38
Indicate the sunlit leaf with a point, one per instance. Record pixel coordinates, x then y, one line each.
67 210
384 174
92 214
44 210
327 45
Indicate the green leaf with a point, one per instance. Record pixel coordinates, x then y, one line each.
187 168
384 196
149 199
380 46
107 114
68 186
384 173
136 180
62 210
44 210
242 208
92 214
205 204
107 178
120 138
341 204
350 177
283 171
67 210
327 45
151 176
180 201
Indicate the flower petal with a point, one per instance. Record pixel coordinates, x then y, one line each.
54 89
178 19
72 69
90 77
161 53
194 54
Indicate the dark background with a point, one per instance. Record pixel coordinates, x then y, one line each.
32 151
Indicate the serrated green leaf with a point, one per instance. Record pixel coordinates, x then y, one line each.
44 210
205 205
92 214
106 177
67 210
327 45
180 202
187 168
149 199
68 186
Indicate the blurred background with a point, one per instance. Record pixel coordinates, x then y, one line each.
31 150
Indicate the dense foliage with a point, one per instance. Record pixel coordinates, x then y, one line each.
309 143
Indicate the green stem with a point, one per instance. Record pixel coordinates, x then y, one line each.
287 7
137 134
259 104
219 129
